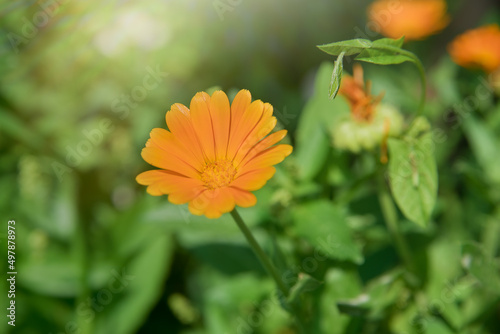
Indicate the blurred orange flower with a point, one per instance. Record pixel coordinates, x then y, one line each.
358 95
214 154
414 19
478 47
370 121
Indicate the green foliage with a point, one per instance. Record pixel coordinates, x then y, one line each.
408 246
313 143
413 176
383 51
325 227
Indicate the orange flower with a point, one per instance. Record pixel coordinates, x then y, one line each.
361 101
370 122
478 47
414 19
214 154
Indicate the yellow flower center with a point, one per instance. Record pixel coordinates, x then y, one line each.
218 174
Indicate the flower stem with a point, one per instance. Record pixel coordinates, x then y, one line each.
264 259
421 72
391 221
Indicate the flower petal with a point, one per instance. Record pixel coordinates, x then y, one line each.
165 140
161 159
161 182
221 113
179 123
263 128
250 118
243 198
269 157
203 124
254 179
264 144
212 203
240 103
185 193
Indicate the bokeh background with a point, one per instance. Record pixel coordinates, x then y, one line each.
82 83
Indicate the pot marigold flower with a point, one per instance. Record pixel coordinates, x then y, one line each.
214 154
478 48
414 19
370 122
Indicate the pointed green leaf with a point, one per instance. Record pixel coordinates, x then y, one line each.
336 76
413 177
350 47
389 42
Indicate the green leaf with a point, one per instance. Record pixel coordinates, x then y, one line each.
481 266
350 47
326 229
336 76
373 52
398 43
382 57
419 126
413 177
378 54
304 284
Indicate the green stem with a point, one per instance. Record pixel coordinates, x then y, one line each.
391 221
84 324
421 72
264 259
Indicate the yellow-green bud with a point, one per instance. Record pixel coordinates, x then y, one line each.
350 134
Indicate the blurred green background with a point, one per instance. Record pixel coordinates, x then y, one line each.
82 83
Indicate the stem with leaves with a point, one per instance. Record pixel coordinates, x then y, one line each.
272 271
384 51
